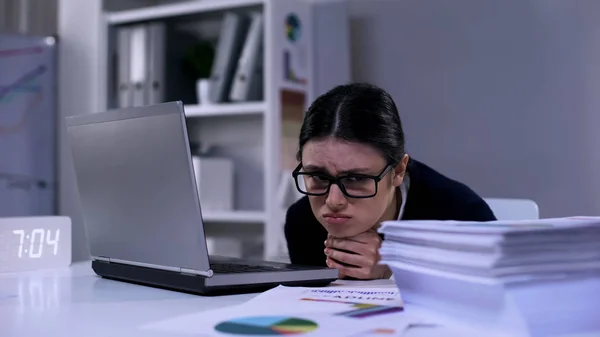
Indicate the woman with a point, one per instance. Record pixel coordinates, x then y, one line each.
356 174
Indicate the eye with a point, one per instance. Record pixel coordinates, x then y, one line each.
317 176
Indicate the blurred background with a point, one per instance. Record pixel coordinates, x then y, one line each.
501 95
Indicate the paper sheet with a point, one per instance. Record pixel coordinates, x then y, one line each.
361 295
302 311
384 283
260 320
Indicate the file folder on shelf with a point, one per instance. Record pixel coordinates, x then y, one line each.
155 69
231 40
123 85
247 83
137 64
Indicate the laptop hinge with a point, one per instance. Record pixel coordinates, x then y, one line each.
101 258
184 271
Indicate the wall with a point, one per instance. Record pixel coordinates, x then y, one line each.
79 23
502 95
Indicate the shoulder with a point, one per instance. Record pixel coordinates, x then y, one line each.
304 234
300 208
446 198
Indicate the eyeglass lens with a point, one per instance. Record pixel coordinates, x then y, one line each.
354 186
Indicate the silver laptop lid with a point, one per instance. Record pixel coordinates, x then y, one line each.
137 187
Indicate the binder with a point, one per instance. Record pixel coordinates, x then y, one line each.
123 85
247 83
231 40
137 64
155 70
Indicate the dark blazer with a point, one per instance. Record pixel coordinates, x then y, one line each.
431 196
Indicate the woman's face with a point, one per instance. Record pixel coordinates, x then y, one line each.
340 215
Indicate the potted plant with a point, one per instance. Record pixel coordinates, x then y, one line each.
197 63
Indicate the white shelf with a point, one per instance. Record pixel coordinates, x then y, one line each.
250 133
234 216
176 9
226 109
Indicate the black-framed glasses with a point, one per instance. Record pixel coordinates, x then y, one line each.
353 185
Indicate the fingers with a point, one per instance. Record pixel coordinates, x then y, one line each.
345 271
356 256
344 244
348 258
366 249
378 272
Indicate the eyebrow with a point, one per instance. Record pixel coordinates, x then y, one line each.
361 170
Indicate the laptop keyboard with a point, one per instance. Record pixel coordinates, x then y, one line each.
231 268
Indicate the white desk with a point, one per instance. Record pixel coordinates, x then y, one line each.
75 302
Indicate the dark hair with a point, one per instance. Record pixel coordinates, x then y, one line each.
357 112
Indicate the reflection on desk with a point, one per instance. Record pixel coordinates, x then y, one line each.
75 302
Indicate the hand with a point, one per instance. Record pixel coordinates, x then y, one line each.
356 256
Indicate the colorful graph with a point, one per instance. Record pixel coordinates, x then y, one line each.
288 71
21 51
266 326
292 27
376 333
27 84
361 310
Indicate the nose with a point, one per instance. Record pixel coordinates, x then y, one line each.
335 198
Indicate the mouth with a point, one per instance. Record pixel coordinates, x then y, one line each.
336 218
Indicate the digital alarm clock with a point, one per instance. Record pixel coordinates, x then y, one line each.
33 243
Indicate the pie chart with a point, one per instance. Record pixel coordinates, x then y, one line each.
266 326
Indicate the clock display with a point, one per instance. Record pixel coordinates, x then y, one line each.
31 243
36 250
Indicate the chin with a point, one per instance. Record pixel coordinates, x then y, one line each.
340 231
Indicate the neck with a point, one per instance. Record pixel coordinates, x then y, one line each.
391 212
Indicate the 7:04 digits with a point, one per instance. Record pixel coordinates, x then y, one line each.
40 237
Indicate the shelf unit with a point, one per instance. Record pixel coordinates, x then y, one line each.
261 137
241 217
223 110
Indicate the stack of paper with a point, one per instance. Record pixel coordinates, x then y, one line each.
527 278
497 248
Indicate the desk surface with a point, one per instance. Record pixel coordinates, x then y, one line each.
75 302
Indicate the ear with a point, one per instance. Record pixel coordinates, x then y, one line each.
400 171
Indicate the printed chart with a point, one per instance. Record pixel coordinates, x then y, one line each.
361 310
27 126
266 326
303 312
14 119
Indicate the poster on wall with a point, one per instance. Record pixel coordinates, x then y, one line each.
292 114
292 43
295 51
27 126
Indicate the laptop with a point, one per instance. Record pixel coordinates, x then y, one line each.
142 212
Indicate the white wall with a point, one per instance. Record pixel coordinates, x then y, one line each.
502 95
79 23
